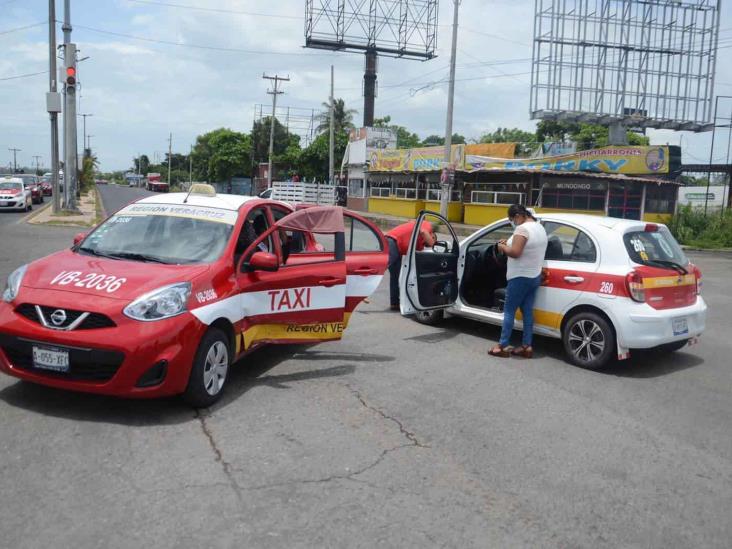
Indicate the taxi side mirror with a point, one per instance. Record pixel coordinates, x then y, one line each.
79 237
263 261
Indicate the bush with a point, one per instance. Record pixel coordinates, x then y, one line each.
691 227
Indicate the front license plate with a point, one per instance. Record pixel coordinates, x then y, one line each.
51 359
680 326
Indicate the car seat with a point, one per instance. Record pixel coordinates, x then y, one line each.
554 248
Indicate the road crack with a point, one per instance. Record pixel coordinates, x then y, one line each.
409 435
218 456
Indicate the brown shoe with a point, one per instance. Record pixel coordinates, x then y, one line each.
524 351
500 352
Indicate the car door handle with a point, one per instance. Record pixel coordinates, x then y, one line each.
364 271
328 282
574 279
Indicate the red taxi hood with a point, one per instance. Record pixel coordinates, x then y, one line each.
9 192
82 274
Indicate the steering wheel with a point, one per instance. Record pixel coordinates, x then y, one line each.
496 253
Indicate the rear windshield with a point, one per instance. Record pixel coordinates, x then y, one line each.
647 247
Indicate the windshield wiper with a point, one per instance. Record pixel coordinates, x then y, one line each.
92 251
138 257
669 265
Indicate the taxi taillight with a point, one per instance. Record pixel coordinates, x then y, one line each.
698 276
634 283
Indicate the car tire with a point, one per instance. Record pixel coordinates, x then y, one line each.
672 347
430 318
210 370
589 340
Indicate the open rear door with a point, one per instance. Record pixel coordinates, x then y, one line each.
428 279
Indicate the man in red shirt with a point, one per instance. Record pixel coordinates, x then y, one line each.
398 239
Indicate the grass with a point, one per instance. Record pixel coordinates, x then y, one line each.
691 227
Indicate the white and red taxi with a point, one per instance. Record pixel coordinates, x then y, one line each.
610 285
167 293
15 194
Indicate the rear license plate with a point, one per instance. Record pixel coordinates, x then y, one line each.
47 358
680 326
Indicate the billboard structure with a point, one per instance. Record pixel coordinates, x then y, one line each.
395 28
296 120
625 63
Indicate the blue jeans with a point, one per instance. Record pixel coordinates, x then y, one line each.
395 265
520 294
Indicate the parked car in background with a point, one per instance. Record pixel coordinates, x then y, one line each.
46 186
14 195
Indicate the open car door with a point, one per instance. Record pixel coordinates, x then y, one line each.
429 278
284 300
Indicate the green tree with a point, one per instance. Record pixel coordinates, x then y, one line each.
88 168
222 154
313 160
260 139
405 138
587 136
342 117
141 164
435 140
525 141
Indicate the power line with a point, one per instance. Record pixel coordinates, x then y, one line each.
198 46
23 75
8 31
214 10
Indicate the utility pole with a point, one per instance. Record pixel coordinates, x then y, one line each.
448 170
274 92
15 159
170 156
331 141
190 168
36 158
84 115
53 104
71 159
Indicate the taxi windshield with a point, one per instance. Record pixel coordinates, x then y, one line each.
168 234
9 185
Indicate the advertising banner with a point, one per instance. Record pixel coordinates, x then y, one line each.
375 138
494 150
424 159
629 160
712 196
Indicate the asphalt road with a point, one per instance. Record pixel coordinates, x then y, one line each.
401 435
116 197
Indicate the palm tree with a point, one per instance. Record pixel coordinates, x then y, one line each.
342 117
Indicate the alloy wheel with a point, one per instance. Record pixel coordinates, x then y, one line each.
215 368
586 340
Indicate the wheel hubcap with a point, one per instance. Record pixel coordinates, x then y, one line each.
586 340
215 368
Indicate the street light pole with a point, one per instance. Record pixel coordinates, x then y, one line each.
84 115
448 169
331 138
36 157
274 93
52 84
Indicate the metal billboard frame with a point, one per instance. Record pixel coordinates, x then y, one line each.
639 63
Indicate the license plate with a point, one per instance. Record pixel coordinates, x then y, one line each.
51 359
680 326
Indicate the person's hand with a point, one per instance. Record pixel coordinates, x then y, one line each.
502 241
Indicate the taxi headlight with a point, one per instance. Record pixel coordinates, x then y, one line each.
161 303
13 285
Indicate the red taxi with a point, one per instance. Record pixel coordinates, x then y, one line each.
167 293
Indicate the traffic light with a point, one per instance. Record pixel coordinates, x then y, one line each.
71 76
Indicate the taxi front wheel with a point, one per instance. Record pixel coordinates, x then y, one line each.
589 340
210 370
431 318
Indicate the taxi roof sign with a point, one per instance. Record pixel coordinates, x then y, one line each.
202 189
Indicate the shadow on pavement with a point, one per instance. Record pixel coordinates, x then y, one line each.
246 374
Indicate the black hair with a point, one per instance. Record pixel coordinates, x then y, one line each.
519 209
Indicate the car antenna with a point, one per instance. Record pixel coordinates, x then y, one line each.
190 190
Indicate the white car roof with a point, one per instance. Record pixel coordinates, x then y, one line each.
222 201
593 220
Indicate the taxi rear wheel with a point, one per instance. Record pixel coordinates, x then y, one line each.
210 370
589 340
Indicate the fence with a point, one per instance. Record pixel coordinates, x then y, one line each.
299 192
435 195
497 197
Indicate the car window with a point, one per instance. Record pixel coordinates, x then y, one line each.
565 243
649 246
360 237
503 232
255 224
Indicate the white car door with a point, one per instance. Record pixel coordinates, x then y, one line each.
429 278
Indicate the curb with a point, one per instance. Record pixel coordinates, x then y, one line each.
100 203
34 213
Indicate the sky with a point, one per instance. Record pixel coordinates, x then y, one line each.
157 67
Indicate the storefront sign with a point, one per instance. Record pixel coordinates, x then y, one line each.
625 160
424 159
